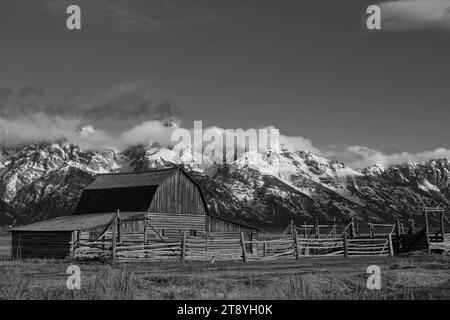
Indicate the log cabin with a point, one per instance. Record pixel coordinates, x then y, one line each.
158 205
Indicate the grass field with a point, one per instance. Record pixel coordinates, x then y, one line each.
414 277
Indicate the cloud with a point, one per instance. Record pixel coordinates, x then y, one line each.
128 15
409 15
146 133
40 126
28 114
298 144
24 101
127 100
5 93
362 157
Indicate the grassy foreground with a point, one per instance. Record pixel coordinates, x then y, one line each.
419 277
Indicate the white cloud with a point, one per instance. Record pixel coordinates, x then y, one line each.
40 126
406 15
362 157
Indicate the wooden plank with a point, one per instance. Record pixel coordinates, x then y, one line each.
113 246
297 247
345 245
244 251
183 247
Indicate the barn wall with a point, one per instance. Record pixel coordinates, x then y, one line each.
178 194
172 225
40 244
219 225
130 226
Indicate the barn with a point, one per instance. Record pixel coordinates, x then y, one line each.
159 204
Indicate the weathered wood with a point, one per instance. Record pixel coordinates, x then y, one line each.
40 244
391 247
118 224
317 229
352 228
305 233
183 247
345 245
113 246
297 247
397 235
412 226
292 229
244 251
178 194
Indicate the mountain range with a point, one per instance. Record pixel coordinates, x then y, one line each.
44 180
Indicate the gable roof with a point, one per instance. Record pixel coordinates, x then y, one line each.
126 192
74 223
127 180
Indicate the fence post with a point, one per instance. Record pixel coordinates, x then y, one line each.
183 247
371 231
244 252
113 245
391 247
264 249
304 230
411 226
442 227
297 248
74 243
145 234
292 229
397 235
345 245
317 229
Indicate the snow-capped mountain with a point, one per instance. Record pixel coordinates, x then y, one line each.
45 180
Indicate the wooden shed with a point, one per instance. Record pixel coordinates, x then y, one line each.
160 204
53 238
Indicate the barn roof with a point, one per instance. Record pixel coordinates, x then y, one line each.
126 192
128 180
73 223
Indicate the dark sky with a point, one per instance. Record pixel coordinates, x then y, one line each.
307 67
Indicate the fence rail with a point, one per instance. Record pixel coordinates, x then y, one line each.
131 248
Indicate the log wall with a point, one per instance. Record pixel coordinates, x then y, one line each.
41 244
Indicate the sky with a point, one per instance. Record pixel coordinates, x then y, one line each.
309 68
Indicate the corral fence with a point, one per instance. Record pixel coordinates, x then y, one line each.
230 247
347 239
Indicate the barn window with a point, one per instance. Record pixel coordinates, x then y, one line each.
193 233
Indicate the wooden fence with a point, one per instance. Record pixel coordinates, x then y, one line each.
224 247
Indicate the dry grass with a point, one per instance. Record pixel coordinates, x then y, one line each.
423 277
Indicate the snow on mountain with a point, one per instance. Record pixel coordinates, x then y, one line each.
44 180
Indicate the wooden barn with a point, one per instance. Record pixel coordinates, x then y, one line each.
159 205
